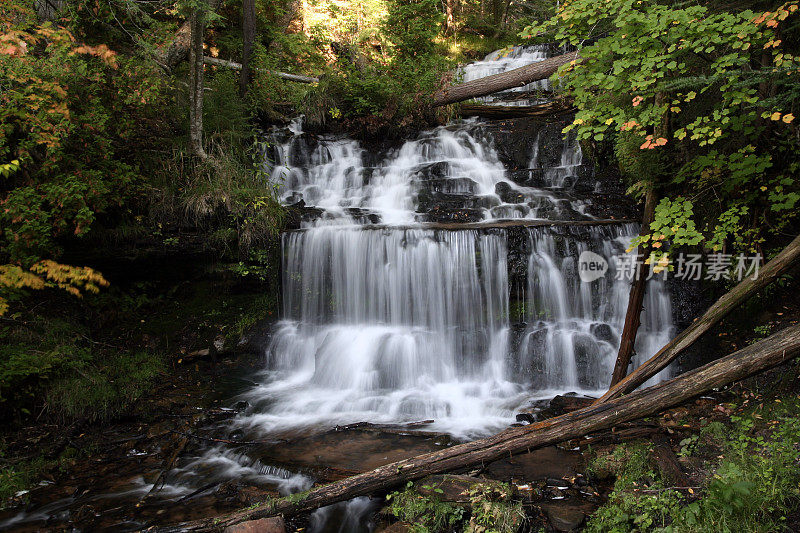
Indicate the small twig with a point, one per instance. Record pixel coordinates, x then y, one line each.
665 489
198 491
223 441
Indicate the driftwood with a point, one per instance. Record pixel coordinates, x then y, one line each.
217 62
779 265
665 460
509 223
499 112
772 351
504 80
636 297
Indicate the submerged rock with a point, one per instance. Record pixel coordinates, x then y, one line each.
264 525
564 517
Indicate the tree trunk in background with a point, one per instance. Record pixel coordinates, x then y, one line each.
47 9
767 353
248 38
196 83
449 16
636 298
505 80
178 49
773 270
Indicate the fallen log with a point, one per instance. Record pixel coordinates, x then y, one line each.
772 351
503 81
553 108
217 62
773 270
499 224
666 462
636 296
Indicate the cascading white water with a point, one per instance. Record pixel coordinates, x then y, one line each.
572 335
445 169
508 59
392 324
571 158
397 322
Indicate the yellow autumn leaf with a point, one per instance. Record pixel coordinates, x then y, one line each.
788 118
775 116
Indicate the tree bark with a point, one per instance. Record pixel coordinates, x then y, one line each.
499 112
511 223
636 298
196 75
772 351
217 62
178 48
248 38
779 265
504 80
449 16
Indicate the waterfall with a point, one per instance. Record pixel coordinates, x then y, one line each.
386 319
572 327
450 173
508 59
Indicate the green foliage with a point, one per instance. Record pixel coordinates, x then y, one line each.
711 91
79 384
427 514
411 26
755 484
628 463
492 511
388 89
103 390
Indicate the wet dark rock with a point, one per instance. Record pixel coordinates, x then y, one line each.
564 517
294 200
363 216
397 527
602 332
570 402
431 171
559 483
236 435
526 418
241 405
264 525
441 214
514 140
553 493
508 193
529 177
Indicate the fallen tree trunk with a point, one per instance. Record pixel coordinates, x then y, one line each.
772 351
636 296
217 62
721 308
549 109
504 80
507 223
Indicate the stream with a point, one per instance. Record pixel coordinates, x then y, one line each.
394 316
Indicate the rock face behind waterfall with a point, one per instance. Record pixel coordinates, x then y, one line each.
466 172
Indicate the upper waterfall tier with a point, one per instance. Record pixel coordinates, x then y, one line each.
509 59
455 173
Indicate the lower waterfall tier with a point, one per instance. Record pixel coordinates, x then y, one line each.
462 327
